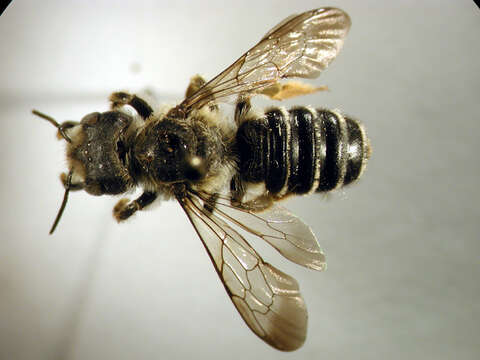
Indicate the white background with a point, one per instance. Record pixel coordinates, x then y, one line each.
402 244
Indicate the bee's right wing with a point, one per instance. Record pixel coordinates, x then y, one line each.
300 46
267 299
284 231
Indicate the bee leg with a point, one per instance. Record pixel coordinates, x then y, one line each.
197 82
259 203
237 199
125 208
119 99
279 91
237 190
241 109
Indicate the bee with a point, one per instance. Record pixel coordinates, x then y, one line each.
229 174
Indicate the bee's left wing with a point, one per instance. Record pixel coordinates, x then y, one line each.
300 46
267 299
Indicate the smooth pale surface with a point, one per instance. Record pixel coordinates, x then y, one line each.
401 245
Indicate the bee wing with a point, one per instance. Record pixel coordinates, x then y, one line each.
300 46
267 299
287 233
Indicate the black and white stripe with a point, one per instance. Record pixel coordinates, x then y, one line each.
301 150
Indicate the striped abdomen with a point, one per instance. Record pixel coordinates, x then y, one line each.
301 150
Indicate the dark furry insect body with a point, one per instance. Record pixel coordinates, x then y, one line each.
228 175
302 150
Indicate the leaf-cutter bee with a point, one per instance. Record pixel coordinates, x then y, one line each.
228 175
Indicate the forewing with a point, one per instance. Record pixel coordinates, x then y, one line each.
267 299
299 46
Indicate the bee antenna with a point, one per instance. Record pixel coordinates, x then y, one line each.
68 184
52 121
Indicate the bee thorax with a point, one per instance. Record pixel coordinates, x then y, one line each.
174 150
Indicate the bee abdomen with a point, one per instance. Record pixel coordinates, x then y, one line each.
301 150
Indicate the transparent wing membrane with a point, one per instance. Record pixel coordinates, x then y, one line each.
300 46
287 233
267 299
